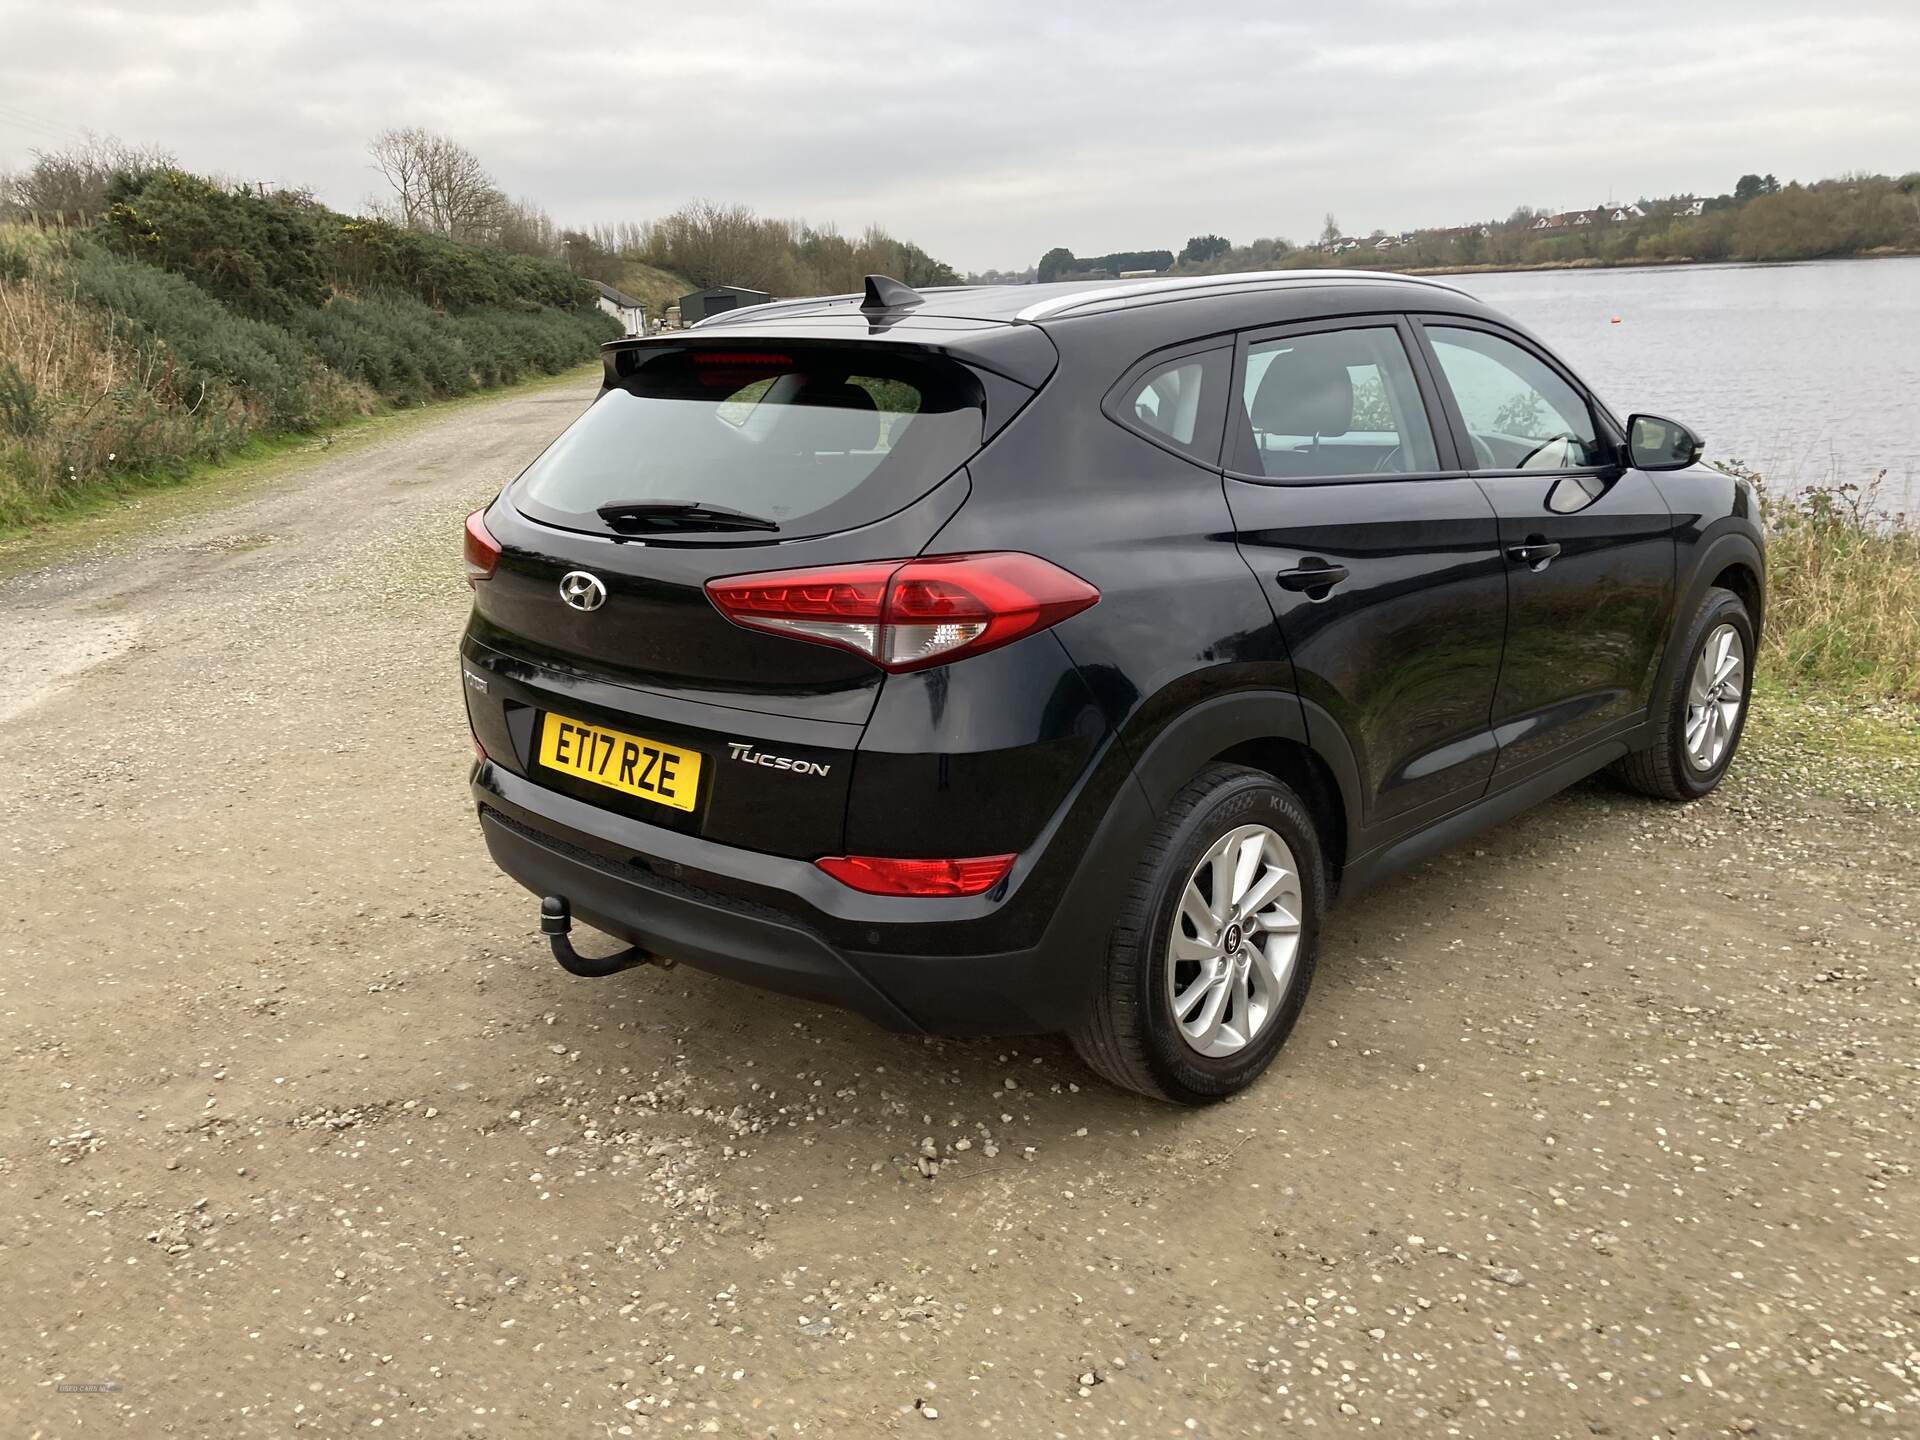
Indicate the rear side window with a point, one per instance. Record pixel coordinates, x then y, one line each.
1334 404
813 438
1168 401
1177 403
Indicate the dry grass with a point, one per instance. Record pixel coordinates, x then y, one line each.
85 411
1843 592
75 403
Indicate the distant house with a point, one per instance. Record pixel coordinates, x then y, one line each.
1693 207
630 312
1570 219
1623 213
718 298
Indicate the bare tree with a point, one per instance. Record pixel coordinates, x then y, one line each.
438 184
525 229
712 244
71 183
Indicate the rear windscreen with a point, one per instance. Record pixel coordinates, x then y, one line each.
810 437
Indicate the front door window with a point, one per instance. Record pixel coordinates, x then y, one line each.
1519 413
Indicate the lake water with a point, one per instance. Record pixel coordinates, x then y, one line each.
1808 373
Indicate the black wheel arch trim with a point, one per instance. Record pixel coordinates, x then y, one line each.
1206 730
1726 544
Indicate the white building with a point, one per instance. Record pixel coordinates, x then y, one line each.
631 313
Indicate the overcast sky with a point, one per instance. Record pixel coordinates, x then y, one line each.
990 132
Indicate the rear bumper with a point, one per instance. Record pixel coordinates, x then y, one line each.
686 924
912 965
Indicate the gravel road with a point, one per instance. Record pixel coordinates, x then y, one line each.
1603 1125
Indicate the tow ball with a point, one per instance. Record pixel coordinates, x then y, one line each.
556 920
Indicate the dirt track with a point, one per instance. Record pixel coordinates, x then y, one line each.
1604 1126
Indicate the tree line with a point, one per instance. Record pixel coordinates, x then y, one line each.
435 186
1760 218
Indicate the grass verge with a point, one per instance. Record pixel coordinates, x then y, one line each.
1843 592
103 513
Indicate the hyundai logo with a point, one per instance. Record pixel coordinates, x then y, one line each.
582 591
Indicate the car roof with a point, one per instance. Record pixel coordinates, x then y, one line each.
1033 304
1019 330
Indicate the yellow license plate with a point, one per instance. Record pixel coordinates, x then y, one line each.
664 774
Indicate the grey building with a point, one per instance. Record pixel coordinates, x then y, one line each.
716 298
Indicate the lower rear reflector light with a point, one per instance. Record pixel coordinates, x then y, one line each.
875 876
908 614
482 550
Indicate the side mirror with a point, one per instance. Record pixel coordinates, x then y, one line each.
1657 443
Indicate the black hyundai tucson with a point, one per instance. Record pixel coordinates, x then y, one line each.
1049 658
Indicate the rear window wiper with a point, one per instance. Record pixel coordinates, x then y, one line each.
633 516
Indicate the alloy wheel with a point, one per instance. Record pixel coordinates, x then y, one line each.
1714 696
1235 940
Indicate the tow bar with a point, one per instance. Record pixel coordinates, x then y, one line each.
556 919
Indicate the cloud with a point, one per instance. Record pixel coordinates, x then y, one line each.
991 131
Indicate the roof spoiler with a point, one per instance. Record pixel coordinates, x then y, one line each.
885 294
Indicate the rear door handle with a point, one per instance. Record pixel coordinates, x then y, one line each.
1536 554
1312 574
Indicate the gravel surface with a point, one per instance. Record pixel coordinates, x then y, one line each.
1601 1125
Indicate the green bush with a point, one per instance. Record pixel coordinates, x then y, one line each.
367 257
192 318
260 254
273 256
407 352
516 344
199 346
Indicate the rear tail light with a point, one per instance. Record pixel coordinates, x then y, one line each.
483 551
875 876
908 614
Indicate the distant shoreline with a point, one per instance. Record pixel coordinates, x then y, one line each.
1884 252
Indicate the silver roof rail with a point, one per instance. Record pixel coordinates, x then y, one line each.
768 307
808 302
1060 304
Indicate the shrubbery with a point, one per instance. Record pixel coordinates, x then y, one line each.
259 255
364 255
190 318
197 347
406 352
1843 590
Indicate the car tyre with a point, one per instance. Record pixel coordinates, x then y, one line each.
1144 1032
1683 762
